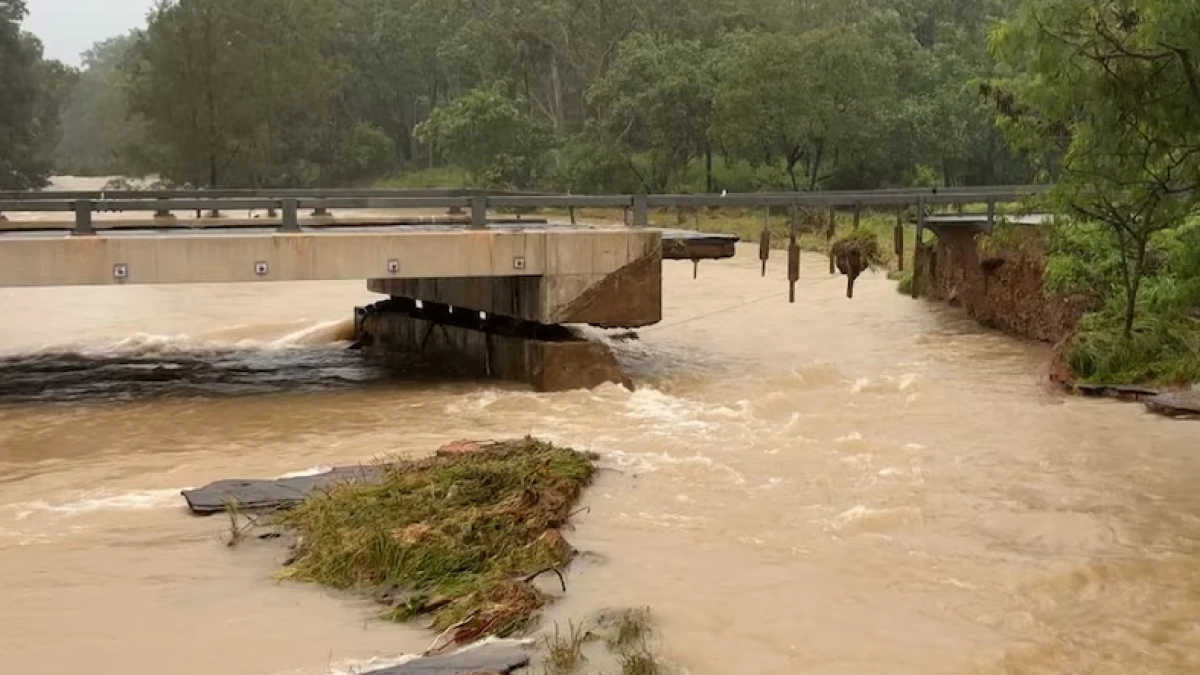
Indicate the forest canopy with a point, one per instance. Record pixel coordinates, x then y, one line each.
610 95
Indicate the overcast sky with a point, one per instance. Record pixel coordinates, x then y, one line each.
69 27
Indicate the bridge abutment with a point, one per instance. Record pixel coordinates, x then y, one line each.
513 327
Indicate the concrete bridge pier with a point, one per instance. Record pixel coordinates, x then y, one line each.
517 327
467 342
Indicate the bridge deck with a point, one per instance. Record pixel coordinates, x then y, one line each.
677 244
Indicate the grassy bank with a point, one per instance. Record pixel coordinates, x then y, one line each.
458 538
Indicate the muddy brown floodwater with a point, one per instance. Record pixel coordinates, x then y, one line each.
866 486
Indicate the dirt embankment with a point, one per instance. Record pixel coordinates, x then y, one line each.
998 280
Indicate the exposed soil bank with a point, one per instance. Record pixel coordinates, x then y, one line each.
998 280
998 285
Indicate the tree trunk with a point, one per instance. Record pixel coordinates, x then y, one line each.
1134 285
709 185
816 167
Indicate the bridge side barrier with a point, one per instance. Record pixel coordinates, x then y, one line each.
479 203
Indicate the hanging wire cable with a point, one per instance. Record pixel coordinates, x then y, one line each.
731 308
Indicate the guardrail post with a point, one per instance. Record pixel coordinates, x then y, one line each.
641 211
320 210
919 251
793 254
991 223
829 232
163 212
764 241
83 218
479 212
291 221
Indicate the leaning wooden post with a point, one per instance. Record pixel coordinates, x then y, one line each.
899 236
919 251
793 254
829 232
764 241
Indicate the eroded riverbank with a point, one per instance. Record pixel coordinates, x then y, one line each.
835 486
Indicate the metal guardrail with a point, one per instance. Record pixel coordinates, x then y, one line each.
290 202
248 193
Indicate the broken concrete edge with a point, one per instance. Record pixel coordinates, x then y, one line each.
631 297
496 656
268 494
1184 405
1177 404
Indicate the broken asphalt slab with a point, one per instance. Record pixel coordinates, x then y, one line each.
259 495
483 659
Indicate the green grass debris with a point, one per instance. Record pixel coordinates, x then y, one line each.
459 537
626 636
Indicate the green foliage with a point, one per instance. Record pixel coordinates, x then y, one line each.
1163 346
1105 96
457 535
782 97
655 102
486 132
604 96
236 93
440 177
1159 350
32 91
97 129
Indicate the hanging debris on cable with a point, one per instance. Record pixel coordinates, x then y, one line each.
855 254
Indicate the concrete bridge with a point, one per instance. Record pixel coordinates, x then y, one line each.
493 292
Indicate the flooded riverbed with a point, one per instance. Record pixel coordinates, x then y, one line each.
867 486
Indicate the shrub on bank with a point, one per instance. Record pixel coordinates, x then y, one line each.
1164 346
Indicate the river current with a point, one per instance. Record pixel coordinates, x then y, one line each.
833 487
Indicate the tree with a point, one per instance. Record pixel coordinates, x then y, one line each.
97 128
486 132
815 93
656 103
31 92
1107 95
811 100
234 92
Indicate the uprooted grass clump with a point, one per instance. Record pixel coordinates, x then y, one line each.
856 253
459 537
859 247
